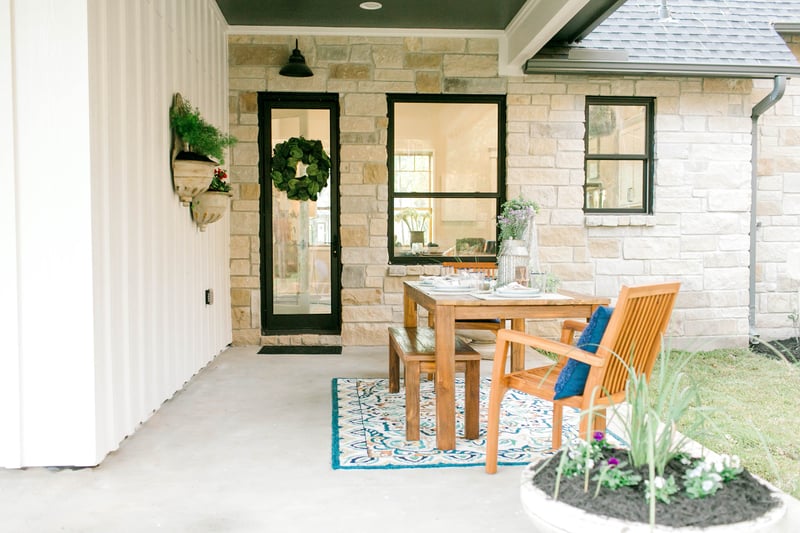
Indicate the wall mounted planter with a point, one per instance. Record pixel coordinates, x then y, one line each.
191 175
209 206
197 151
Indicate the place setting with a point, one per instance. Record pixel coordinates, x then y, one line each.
467 282
516 290
512 291
526 285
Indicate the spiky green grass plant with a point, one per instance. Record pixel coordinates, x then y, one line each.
751 403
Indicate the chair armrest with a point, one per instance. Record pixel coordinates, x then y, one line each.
569 328
574 325
556 347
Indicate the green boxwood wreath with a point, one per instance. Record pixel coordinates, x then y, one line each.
285 157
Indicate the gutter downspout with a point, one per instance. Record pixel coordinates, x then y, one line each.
778 88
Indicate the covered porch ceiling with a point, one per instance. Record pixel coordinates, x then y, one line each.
522 27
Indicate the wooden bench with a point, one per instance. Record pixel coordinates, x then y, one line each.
416 348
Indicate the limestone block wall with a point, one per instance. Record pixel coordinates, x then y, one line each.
361 70
778 210
698 234
699 231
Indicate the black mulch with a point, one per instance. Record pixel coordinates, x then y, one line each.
788 349
741 499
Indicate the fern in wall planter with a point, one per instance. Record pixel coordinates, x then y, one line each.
198 147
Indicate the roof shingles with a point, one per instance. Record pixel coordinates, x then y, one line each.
734 32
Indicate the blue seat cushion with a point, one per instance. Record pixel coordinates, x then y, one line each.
572 378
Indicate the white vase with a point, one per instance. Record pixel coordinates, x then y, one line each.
513 254
417 241
552 516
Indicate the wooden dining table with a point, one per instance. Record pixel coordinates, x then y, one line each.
448 307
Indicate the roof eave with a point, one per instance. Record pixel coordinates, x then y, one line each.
586 20
555 66
787 27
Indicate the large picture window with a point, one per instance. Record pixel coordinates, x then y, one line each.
446 176
619 155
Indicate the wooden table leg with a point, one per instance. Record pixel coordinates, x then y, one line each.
445 378
472 393
517 350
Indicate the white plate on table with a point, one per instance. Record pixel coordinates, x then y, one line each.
518 293
516 296
449 289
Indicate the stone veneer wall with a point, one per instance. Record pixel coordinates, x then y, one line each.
699 233
778 209
361 70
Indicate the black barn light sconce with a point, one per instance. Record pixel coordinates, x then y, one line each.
296 67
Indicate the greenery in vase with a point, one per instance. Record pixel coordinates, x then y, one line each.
218 184
514 216
550 282
198 135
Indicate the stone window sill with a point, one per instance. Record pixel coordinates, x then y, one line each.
619 220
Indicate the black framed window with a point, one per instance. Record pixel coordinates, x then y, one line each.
446 176
619 163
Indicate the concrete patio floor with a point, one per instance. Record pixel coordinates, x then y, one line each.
246 447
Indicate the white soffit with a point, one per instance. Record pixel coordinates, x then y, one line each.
535 24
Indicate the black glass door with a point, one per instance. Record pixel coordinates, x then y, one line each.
300 253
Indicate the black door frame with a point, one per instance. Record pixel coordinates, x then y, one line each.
288 324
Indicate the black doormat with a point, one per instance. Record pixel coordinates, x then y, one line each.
291 350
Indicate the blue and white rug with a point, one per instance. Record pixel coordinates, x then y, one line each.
369 428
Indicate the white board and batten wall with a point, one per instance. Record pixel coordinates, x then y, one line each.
103 272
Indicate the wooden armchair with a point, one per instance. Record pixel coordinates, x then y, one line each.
632 338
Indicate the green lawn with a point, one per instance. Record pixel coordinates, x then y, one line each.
755 412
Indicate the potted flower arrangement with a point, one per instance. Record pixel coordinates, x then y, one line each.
515 221
514 217
416 221
197 149
653 483
209 206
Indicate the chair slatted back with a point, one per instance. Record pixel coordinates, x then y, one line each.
487 268
634 333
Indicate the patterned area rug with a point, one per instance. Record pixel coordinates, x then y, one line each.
369 428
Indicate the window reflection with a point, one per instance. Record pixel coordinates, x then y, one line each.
444 165
619 154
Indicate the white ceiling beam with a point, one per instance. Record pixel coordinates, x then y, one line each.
535 24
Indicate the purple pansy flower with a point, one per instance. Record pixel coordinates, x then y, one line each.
598 436
612 462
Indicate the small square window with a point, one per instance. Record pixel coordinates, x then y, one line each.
619 155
